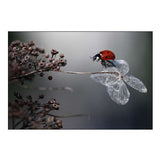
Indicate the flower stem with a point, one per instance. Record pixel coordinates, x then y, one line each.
73 72
69 116
68 72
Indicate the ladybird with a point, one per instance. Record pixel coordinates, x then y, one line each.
105 56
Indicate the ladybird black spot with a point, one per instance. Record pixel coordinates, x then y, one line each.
106 57
108 52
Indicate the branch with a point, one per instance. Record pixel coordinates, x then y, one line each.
69 116
72 72
68 72
25 75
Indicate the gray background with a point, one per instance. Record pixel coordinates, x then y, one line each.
90 97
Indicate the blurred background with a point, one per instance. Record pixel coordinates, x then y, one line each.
88 97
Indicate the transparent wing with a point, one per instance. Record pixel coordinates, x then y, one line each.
106 78
122 66
135 83
119 92
116 88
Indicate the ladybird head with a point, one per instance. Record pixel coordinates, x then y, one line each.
96 57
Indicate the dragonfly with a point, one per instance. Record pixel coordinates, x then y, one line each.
116 83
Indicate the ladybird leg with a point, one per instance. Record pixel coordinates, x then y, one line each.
104 63
111 63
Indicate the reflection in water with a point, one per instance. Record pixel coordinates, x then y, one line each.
90 98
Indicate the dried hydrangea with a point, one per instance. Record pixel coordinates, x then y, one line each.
26 60
33 114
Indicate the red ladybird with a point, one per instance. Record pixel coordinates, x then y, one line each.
105 56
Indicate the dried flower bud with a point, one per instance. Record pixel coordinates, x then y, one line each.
41 64
23 52
50 77
14 49
30 49
49 65
32 53
26 58
40 50
31 43
54 52
14 43
62 62
25 44
51 59
61 55
30 65
55 106
50 119
59 123
41 96
47 109
21 44
46 55
35 53
57 68
52 101
24 48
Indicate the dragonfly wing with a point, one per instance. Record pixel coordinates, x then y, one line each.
135 83
119 92
122 66
106 78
